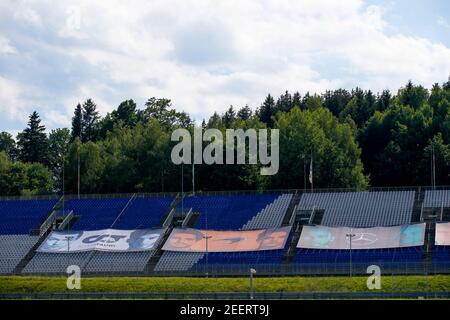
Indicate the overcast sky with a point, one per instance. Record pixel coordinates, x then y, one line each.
206 55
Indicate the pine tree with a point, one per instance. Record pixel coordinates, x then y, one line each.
229 117
90 120
244 113
77 120
33 142
267 110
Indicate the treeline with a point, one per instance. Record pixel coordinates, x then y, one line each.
356 139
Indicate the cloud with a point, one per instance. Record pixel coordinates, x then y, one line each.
205 56
5 47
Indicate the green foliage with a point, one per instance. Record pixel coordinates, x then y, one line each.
32 142
49 285
318 134
353 136
8 145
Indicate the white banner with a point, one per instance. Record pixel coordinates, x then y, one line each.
101 240
442 234
322 237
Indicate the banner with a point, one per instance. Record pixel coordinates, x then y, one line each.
102 240
442 234
193 240
322 237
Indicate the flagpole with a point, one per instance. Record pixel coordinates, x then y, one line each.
193 178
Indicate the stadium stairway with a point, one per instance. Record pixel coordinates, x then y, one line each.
418 205
429 244
44 230
291 210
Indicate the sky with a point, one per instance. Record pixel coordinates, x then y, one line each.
208 55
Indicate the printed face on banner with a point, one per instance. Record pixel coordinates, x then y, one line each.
101 240
442 234
322 237
193 240
60 241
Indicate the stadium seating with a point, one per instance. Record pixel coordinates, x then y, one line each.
96 213
55 263
441 257
272 215
13 249
217 212
436 198
361 209
144 212
227 213
22 216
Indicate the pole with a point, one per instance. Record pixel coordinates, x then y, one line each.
351 235
182 191
251 284
304 175
206 237
252 272
433 168
193 178
78 178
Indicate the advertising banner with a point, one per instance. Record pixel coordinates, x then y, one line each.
322 237
193 240
101 240
442 234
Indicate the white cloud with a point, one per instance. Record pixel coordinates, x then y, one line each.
208 55
6 47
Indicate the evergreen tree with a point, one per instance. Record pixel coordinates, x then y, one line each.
244 113
90 121
77 123
229 117
32 142
267 111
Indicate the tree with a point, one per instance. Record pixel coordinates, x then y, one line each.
32 142
244 113
160 109
284 102
413 96
77 123
59 141
90 121
8 145
332 145
267 111
229 117
126 112
336 100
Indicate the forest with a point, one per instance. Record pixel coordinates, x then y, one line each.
355 139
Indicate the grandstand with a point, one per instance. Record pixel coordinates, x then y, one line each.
25 224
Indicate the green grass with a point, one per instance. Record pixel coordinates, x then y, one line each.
15 284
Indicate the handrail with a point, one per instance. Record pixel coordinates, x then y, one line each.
66 220
123 210
187 218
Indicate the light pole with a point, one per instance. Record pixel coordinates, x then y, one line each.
351 235
252 272
206 237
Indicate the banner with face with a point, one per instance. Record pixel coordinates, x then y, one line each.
322 237
193 240
101 240
442 234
